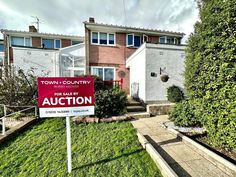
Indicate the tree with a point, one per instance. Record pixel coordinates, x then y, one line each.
210 73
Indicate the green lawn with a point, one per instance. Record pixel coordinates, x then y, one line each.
97 150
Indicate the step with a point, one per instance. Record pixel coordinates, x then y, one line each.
138 115
135 109
134 103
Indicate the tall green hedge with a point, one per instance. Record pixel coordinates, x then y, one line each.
210 74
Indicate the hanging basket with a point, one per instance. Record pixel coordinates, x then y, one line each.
164 78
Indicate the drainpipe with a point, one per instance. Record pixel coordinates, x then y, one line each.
86 42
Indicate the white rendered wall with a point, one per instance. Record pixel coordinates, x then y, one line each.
137 63
41 60
170 59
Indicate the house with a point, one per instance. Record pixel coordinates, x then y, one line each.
64 62
149 64
109 46
34 39
27 49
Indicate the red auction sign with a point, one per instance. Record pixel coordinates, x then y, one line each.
65 96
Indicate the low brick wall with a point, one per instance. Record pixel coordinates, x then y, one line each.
159 109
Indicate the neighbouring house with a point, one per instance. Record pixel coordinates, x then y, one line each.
30 44
67 62
109 46
148 64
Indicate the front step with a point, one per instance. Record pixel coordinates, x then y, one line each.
136 109
139 115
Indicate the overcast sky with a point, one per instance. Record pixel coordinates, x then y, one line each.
67 16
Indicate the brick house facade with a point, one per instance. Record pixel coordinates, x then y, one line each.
108 47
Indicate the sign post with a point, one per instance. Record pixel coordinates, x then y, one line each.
68 141
65 97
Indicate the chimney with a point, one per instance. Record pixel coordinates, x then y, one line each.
33 29
91 20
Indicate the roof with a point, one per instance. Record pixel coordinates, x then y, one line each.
128 29
36 34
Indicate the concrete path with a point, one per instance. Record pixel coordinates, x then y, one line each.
181 158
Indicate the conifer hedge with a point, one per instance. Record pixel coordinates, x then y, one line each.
210 73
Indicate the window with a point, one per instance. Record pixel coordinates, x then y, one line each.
162 40
133 40
168 40
111 39
20 41
104 73
103 38
27 42
94 37
57 43
1 48
75 42
51 43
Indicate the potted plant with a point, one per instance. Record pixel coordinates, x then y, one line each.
164 78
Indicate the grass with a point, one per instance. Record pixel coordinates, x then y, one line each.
97 150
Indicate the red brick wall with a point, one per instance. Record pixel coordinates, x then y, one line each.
36 42
65 42
114 56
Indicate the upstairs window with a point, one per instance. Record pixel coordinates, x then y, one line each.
133 40
169 40
57 43
1 48
75 42
51 43
20 41
103 38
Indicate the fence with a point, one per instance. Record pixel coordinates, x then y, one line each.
5 116
114 83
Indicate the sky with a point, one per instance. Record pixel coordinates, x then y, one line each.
67 16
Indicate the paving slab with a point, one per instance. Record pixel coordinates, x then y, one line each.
181 157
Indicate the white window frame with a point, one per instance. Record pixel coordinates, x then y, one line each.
175 40
24 40
145 36
132 45
54 42
103 73
99 38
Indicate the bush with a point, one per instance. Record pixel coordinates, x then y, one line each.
110 102
174 94
183 115
18 88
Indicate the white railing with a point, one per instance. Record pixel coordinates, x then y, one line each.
8 115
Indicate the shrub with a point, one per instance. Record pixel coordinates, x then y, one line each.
110 102
174 94
17 116
183 114
18 88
